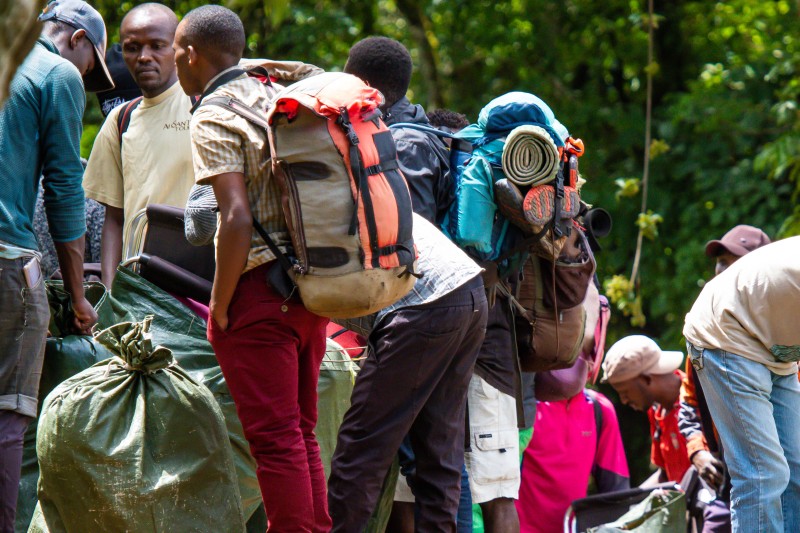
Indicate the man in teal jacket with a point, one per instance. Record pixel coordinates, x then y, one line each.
40 131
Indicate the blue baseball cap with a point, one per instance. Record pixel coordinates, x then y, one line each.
82 16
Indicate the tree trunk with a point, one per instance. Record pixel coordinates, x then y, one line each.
419 25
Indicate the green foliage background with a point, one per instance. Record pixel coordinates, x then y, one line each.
725 110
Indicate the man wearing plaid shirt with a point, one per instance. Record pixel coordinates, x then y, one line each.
269 348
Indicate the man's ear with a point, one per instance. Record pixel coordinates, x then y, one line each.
76 37
192 55
647 379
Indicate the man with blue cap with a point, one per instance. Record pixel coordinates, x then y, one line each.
40 132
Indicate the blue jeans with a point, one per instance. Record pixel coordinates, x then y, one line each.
757 414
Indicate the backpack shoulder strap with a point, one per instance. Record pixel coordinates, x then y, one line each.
422 128
124 117
457 143
598 412
240 108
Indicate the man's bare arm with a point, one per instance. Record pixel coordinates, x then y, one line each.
111 244
233 241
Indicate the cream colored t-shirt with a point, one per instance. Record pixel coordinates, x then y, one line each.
753 308
155 165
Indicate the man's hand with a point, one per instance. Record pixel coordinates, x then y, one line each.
85 316
709 467
218 316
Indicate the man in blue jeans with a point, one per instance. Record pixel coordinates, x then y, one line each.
743 336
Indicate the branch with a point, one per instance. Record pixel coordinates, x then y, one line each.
647 142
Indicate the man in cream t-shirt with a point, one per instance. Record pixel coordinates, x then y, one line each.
743 336
152 162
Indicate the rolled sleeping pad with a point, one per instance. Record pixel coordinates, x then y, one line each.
530 157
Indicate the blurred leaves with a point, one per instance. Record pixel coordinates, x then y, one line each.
620 292
648 223
627 187
658 147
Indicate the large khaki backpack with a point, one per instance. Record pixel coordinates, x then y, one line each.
346 203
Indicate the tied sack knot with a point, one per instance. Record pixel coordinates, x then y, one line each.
133 343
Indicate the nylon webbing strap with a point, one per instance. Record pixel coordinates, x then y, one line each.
279 255
240 108
524 245
124 117
219 82
383 166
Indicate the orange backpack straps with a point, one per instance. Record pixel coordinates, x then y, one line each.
346 202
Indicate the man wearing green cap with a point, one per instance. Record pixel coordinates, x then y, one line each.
40 131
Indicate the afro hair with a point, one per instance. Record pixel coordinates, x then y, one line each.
384 64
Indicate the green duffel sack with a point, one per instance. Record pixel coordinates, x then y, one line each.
65 355
663 511
135 444
175 327
337 375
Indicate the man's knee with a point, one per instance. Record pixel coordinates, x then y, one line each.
500 515
769 484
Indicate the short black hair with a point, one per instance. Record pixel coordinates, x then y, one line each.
216 32
384 64
448 119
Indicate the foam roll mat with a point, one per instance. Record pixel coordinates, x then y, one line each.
530 156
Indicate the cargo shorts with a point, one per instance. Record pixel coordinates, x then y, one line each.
493 459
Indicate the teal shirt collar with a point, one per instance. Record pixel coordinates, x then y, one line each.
48 44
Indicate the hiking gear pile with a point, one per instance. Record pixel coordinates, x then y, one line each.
517 204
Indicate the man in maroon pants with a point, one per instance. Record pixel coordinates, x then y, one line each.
269 348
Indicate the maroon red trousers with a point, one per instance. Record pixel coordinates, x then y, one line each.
270 356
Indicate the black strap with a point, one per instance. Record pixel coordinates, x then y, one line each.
524 245
279 255
334 335
124 117
383 166
598 413
519 393
240 108
219 82
423 128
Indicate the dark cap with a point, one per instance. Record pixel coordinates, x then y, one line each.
82 16
125 88
739 241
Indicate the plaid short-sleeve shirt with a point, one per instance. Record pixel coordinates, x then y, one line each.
224 142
